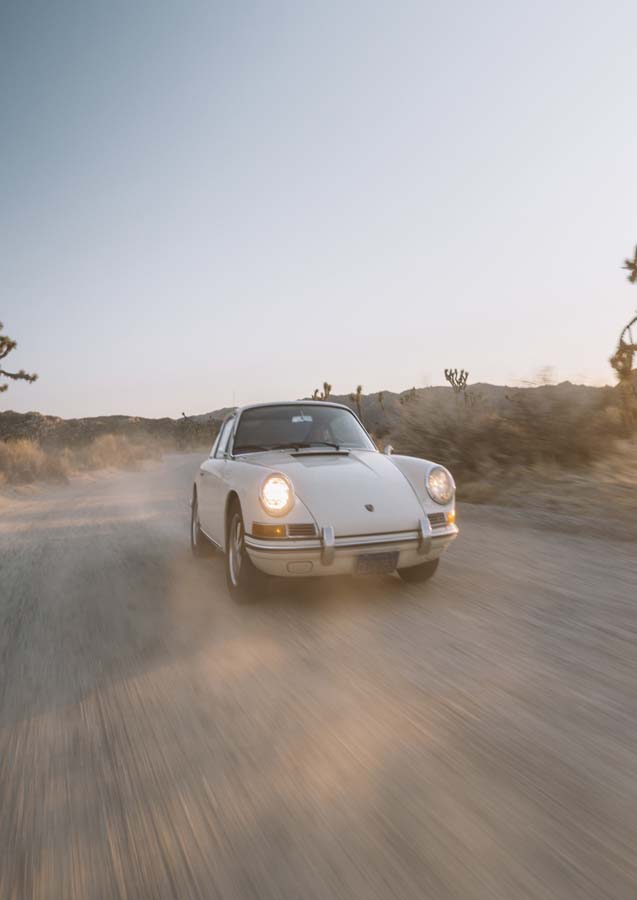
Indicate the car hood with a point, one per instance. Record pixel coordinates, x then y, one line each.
338 488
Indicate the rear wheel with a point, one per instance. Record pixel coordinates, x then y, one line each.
199 543
245 582
423 572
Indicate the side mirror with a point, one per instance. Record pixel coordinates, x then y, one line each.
388 450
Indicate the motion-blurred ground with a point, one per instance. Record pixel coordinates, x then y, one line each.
471 738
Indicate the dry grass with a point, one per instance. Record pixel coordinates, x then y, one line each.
537 450
598 499
24 461
611 480
530 432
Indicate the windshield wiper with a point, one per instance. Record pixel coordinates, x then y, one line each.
255 448
303 445
289 445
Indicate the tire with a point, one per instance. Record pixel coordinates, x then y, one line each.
199 543
245 582
418 574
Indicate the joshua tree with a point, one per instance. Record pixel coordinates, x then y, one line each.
356 398
631 265
381 400
324 394
457 380
6 347
622 363
623 357
408 396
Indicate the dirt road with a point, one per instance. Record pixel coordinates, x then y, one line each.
475 737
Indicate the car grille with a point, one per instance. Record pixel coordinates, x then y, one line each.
437 520
302 531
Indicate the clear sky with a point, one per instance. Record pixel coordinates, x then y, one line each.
205 202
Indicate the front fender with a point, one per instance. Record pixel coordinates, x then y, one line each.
245 483
416 471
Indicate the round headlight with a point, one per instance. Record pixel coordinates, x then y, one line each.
277 495
440 485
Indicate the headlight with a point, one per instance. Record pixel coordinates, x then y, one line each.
277 495
440 485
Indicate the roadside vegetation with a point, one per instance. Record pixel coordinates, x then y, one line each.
40 448
25 461
528 428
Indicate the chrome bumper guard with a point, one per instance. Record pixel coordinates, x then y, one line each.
425 533
328 545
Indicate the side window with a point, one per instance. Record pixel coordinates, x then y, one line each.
223 438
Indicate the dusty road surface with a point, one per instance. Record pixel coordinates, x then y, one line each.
471 738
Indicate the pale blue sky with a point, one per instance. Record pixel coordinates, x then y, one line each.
205 201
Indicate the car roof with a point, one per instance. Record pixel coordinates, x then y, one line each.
242 409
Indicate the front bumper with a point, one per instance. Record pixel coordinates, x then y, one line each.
331 555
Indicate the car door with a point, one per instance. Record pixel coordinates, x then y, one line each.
201 481
212 490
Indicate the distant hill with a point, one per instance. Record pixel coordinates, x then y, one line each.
380 419
217 415
384 417
52 431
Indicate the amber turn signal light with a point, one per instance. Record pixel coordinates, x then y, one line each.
260 529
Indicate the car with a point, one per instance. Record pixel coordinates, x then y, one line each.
299 489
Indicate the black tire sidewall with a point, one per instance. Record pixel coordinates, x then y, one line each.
250 578
201 547
421 573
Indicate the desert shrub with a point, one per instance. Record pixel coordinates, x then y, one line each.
531 429
24 461
115 451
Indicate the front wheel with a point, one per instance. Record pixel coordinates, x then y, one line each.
245 582
417 574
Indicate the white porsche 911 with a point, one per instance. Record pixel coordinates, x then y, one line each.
299 489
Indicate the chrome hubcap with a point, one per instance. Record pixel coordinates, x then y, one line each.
235 549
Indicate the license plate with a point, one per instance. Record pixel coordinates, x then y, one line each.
376 563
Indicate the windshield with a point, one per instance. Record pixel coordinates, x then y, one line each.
280 427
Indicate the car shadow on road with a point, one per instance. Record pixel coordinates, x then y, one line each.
318 594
